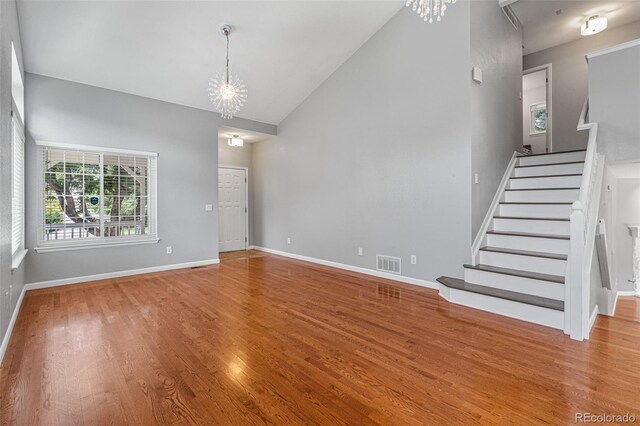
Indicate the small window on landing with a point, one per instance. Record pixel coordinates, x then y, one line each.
538 119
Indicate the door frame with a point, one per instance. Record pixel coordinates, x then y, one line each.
548 68
246 202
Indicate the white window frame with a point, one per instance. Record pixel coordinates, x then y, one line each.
45 245
18 250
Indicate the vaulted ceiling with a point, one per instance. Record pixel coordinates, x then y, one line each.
168 50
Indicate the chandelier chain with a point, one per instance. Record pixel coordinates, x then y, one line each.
226 33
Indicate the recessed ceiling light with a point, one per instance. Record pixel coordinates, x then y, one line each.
593 25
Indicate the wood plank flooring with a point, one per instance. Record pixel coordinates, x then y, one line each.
262 339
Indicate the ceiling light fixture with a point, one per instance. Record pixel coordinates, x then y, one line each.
236 141
427 9
226 91
593 25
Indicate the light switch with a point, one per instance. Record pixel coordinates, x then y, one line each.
476 75
208 207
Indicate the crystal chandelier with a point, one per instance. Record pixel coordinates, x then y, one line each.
226 91
427 9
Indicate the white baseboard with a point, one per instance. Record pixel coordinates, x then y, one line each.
12 322
592 319
108 275
366 271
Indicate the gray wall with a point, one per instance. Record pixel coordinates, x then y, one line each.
11 284
532 96
239 157
614 102
379 156
627 210
496 124
570 86
186 140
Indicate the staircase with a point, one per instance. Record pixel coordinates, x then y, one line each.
520 258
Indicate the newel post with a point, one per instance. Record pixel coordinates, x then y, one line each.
575 290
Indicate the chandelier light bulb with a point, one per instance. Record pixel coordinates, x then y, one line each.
227 91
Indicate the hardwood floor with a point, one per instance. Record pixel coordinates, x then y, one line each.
262 339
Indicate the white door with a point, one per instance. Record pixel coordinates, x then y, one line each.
232 209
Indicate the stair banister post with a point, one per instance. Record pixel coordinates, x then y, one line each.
575 290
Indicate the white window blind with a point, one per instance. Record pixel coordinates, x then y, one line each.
17 173
92 198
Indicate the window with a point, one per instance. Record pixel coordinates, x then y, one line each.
17 194
538 119
17 162
96 197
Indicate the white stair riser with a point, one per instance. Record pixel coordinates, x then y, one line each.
524 263
546 182
562 211
532 226
558 169
561 157
547 289
542 196
521 311
544 245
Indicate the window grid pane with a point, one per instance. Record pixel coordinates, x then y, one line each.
79 195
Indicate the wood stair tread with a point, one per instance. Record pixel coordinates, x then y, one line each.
513 296
559 279
528 234
538 202
550 164
550 153
542 254
540 189
545 176
532 218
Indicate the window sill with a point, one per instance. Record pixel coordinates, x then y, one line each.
17 259
97 244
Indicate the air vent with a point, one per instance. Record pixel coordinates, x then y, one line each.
511 16
388 264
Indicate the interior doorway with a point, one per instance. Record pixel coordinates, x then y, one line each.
232 208
537 110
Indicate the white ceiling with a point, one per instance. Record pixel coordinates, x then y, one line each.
168 50
543 28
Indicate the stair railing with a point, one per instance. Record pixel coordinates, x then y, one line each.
493 209
582 234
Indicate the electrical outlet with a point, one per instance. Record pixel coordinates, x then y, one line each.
476 178
169 249
288 240
360 252
208 207
414 259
